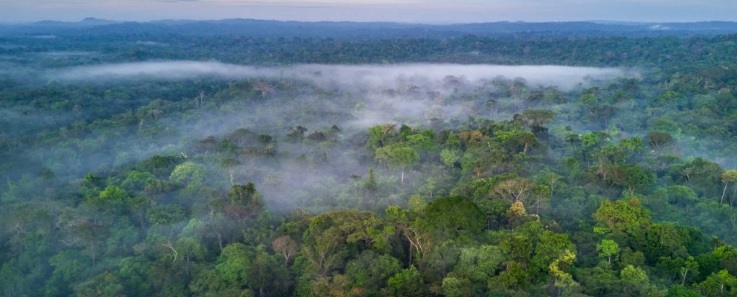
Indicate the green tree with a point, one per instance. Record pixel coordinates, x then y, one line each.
111 201
478 265
718 284
558 267
243 202
634 277
450 158
234 264
407 283
370 271
622 216
189 175
537 118
399 156
608 248
454 287
329 235
450 217
690 265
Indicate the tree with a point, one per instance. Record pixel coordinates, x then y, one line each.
517 211
105 284
414 231
634 277
243 202
400 156
478 265
558 269
263 87
329 235
608 248
516 140
370 271
407 283
136 181
622 216
160 166
210 283
190 175
297 133
266 277
537 118
112 201
690 265
370 183
702 176
633 178
381 135
450 217
454 287
234 263
515 189
230 164
541 196
286 246
659 140
450 157
720 283
422 142
729 176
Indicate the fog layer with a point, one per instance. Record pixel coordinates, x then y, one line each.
276 100
365 76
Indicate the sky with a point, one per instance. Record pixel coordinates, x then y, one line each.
408 11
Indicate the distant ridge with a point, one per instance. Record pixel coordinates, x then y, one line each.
325 29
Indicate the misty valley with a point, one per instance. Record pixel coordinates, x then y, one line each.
215 159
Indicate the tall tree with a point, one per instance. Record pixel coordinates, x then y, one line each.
729 176
399 156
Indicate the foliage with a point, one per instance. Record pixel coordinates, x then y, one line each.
258 186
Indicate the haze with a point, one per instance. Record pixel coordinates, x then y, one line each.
416 11
352 97
356 76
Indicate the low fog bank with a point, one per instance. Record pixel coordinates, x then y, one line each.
364 76
275 101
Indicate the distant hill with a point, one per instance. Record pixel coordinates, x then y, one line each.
353 30
48 26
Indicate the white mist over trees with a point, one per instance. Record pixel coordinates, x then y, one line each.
367 77
310 99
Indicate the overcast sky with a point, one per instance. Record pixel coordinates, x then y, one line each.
422 11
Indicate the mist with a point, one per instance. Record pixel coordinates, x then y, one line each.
315 97
362 76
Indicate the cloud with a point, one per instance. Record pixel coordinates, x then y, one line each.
156 70
355 76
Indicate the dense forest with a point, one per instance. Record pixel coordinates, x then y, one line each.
147 159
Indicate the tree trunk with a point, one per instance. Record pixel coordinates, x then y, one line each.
683 280
723 192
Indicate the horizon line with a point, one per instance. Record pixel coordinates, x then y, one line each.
439 23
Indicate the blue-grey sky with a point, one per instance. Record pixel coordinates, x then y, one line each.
423 11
